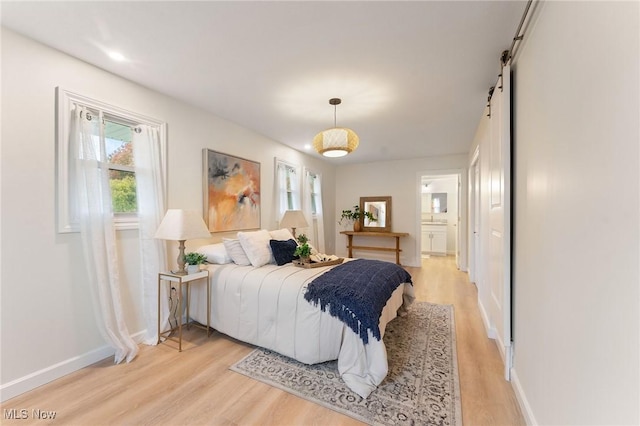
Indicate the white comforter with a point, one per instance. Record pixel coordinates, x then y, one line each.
266 307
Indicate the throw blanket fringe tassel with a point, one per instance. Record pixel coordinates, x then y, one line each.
356 293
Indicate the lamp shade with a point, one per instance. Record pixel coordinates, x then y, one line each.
336 142
180 225
293 219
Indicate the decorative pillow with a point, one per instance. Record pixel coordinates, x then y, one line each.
283 251
236 252
256 246
281 234
216 253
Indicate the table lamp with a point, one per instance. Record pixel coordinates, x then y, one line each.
181 225
293 219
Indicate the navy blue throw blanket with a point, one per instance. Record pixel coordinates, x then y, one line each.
355 292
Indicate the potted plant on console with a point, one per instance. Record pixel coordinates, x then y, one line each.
354 216
194 260
303 251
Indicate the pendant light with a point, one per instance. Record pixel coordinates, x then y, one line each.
337 141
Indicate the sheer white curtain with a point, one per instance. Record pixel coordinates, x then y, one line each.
287 189
312 207
93 207
150 187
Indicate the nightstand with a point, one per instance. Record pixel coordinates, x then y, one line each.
171 278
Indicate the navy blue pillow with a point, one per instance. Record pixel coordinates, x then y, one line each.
283 251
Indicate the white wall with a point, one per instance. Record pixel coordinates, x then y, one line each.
401 180
576 278
47 320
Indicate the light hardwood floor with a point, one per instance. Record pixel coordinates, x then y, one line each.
165 387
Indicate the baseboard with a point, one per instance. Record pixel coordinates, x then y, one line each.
491 332
51 373
502 349
56 371
527 412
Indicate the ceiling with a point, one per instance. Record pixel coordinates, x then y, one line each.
413 76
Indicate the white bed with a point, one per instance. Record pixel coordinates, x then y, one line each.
265 306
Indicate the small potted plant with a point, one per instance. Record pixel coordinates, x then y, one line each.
194 260
303 251
354 216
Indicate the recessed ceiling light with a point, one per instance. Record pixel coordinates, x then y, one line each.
117 56
307 147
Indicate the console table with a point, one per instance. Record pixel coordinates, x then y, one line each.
396 235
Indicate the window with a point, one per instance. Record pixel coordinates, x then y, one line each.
312 207
290 192
288 188
313 183
122 176
112 132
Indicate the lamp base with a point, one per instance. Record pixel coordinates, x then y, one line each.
181 270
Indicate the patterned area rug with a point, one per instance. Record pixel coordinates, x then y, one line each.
421 387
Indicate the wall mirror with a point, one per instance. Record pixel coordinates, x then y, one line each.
439 202
380 208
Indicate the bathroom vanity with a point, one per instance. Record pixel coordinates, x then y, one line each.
434 238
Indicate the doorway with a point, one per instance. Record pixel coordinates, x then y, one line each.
439 215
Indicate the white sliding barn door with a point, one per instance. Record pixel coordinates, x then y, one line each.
498 259
474 225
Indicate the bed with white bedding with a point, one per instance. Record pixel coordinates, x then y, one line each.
265 306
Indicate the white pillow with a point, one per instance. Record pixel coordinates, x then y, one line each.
236 252
281 234
216 253
256 246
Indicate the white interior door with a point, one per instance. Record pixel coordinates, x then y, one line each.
499 256
459 222
474 210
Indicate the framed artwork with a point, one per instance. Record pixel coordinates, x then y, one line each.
231 192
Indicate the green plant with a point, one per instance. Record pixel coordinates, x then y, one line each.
123 193
194 258
355 215
303 249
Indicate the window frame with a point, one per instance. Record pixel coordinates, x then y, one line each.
67 221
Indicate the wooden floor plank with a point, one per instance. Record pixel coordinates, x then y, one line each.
165 387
